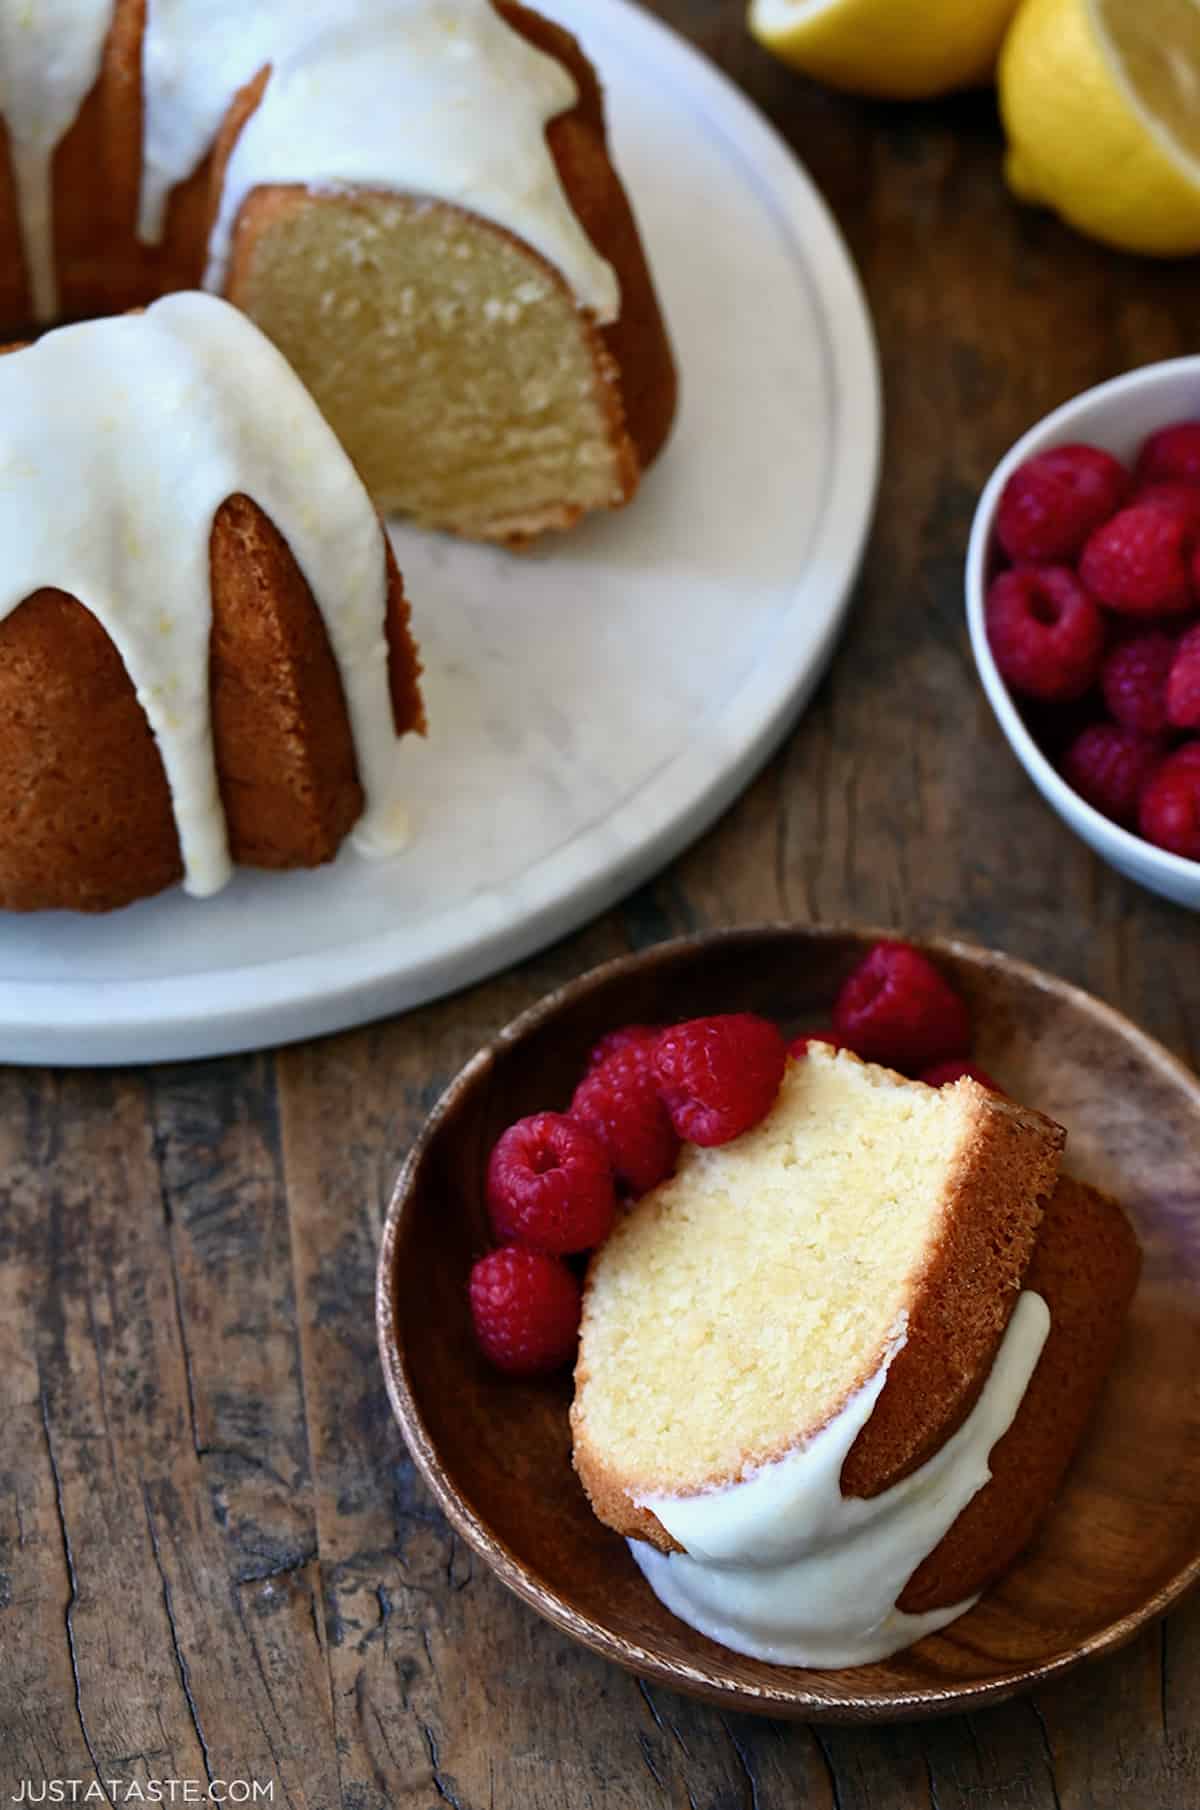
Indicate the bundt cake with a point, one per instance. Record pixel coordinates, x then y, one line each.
413 199
803 1357
205 655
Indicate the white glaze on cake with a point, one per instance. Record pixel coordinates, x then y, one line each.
420 96
49 60
782 1567
438 98
119 441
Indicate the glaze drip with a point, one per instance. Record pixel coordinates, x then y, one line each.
437 98
49 59
119 441
783 1567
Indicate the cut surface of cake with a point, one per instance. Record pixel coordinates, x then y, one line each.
867 1221
205 655
414 199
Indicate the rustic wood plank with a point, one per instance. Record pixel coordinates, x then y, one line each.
213 1549
157 1625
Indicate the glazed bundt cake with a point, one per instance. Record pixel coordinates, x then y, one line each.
413 198
205 655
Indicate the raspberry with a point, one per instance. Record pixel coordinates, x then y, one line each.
897 1009
619 1103
1173 495
1169 812
1052 503
1134 681
550 1185
525 1306
1108 766
644 1035
1183 684
1137 563
1172 453
941 1074
719 1076
1046 633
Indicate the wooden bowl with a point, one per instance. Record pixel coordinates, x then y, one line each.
1123 1540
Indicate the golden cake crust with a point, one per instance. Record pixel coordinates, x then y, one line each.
966 1294
1086 1268
959 1307
634 376
86 821
637 341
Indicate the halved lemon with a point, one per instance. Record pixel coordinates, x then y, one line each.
894 49
1101 104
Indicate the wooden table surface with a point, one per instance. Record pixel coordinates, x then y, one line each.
215 1560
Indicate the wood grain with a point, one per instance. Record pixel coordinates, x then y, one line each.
385 1667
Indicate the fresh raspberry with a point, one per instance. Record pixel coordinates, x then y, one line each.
1108 766
1134 681
941 1074
1052 503
897 1009
1137 563
525 1306
1046 633
1183 682
550 1185
1173 452
1173 495
719 1076
644 1035
618 1101
1169 812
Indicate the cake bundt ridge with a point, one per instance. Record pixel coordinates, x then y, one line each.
204 645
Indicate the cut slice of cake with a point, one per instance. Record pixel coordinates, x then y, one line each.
868 1225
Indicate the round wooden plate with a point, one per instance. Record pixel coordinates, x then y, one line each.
1123 1540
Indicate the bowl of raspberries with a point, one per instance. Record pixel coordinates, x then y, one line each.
1083 601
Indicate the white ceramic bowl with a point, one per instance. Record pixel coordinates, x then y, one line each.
1116 415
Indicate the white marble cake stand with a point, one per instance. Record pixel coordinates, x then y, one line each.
593 706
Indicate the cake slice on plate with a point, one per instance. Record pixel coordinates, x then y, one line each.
798 1353
867 1220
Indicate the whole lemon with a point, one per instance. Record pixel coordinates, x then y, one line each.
894 49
